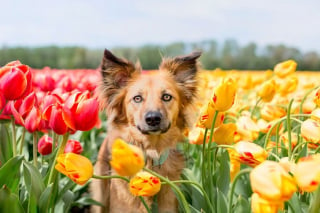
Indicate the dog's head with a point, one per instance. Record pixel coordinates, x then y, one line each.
154 102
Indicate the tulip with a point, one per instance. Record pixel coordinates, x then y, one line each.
316 98
78 168
206 117
73 146
196 136
285 139
307 173
234 164
310 131
272 182
272 112
285 68
81 112
260 205
266 126
54 114
2 100
224 134
249 153
33 120
144 184
247 129
224 95
267 90
15 80
45 145
127 159
315 115
289 85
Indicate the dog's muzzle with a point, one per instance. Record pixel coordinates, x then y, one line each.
154 123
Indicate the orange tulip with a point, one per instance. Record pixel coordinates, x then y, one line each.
224 94
260 205
247 129
78 168
234 164
127 159
144 184
307 173
285 68
272 182
267 90
206 117
224 134
249 153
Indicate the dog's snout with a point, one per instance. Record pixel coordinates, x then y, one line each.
153 118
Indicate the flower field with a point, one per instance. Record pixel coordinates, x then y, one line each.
253 147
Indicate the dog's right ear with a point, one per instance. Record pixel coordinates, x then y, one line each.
116 73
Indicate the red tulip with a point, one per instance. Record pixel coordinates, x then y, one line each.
2 100
15 80
45 145
73 146
82 113
54 115
33 120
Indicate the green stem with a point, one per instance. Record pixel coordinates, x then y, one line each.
233 186
35 150
127 180
22 141
199 187
289 129
14 140
53 172
209 163
203 172
183 200
255 107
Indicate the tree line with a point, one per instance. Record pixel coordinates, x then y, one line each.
226 55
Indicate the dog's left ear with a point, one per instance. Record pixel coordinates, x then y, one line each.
184 70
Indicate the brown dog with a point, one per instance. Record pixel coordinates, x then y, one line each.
150 111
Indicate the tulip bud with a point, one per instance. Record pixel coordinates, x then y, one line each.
73 146
285 68
267 90
45 145
224 95
144 184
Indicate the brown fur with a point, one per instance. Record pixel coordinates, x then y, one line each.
127 120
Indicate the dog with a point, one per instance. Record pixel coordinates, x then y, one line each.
150 111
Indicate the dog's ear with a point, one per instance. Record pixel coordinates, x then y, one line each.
184 70
116 73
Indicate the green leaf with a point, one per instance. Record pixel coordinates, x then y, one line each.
5 144
33 180
242 205
44 199
222 204
10 173
223 180
9 202
86 201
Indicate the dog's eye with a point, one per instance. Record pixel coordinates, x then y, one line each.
137 98
166 97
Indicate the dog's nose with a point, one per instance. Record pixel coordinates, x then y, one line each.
153 118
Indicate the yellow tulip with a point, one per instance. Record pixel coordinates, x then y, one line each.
307 173
224 94
78 168
266 126
196 136
272 112
127 159
285 68
247 129
285 139
144 184
287 86
260 205
234 164
272 182
310 131
224 134
316 98
315 115
249 153
206 117
267 90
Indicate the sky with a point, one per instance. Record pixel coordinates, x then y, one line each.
106 24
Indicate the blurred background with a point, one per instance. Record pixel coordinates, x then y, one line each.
232 34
